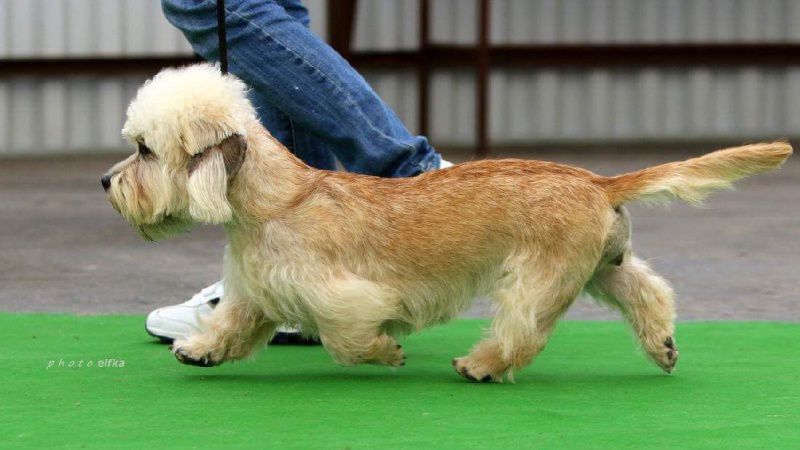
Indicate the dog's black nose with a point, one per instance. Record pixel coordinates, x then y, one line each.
106 182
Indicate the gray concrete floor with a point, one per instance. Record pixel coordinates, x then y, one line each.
64 249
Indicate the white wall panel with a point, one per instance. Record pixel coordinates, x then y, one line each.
108 25
387 25
623 102
58 28
675 21
85 27
166 39
110 101
598 27
401 90
137 19
751 82
792 93
81 113
546 106
5 29
22 27
53 105
701 108
773 107
792 17
53 29
676 102
545 29
724 103
79 20
598 103
650 102
5 118
576 21
453 21
23 107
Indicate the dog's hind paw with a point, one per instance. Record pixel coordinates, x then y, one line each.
462 367
666 355
183 356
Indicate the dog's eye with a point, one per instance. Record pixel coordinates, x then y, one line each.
144 150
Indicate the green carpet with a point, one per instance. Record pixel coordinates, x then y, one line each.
737 386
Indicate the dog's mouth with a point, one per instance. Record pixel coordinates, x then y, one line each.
169 225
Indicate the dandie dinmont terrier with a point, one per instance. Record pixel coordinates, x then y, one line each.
359 260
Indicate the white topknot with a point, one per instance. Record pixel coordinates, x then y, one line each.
195 102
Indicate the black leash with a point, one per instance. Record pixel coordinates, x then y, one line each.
223 40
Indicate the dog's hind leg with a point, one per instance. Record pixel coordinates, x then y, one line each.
526 309
233 331
647 302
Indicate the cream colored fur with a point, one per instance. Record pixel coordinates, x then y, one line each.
359 260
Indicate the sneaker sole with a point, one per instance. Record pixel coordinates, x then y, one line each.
159 335
280 338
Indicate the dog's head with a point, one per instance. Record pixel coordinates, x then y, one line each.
188 127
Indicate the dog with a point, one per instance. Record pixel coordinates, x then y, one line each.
359 260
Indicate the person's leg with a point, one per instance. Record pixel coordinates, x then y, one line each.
305 147
276 55
290 134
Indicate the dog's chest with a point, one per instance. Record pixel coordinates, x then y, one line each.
279 282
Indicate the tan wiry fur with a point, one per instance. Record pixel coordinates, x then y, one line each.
359 260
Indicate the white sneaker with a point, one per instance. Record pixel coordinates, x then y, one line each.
179 321
444 164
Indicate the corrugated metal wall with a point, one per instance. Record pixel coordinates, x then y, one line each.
81 113
527 106
531 106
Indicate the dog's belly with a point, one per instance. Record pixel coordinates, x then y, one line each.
433 301
292 294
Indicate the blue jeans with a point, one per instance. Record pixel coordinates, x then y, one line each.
305 93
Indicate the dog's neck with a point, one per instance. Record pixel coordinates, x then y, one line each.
269 180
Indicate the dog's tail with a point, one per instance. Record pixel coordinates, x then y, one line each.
692 180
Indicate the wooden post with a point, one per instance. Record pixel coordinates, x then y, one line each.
423 68
482 82
341 20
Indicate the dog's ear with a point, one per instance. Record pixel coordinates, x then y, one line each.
210 172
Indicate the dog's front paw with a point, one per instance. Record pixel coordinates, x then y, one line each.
189 354
474 372
395 357
386 351
665 354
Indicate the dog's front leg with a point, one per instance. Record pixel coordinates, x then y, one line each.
364 346
234 330
350 313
